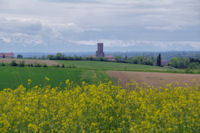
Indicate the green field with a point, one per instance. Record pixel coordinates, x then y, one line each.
97 65
91 72
11 77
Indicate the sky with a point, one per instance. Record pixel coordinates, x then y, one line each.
77 25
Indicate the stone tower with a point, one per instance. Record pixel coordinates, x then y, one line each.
99 52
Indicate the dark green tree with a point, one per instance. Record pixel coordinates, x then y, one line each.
159 59
19 56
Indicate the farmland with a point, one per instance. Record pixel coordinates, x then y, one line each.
91 72
11 77
101 108
154 79
42 99
97 65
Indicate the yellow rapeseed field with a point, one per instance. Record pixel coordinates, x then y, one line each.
102 108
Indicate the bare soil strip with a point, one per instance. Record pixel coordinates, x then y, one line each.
154 79
30 61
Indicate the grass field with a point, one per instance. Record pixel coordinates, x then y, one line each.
91 72
97 65
11 77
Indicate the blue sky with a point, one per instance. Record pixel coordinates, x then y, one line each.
77 25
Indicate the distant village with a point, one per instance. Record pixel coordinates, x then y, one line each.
6 55
99 53
175 60
100 56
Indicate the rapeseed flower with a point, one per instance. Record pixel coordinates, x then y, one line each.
100 108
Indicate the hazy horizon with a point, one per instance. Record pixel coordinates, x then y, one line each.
77 25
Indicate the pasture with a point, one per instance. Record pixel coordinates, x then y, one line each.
98 65
92 72
11 77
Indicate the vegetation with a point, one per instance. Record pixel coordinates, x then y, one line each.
101 108
22 64
189 63
19 56
97 65
13 63
159 59
144 60
3 64
11 77
60 56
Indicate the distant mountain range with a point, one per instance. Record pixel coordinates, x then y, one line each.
71 47
165 55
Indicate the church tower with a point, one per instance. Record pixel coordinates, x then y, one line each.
99 52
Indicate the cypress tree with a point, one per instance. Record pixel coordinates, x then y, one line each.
159 60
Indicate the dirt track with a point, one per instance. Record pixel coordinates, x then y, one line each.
155 79
30 61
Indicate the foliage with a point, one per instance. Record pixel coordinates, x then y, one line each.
45 65
3 64
141 60
19 56
11 77
195 60
37 65
119 59
13 63
60 56
97 65
194 65
145 60
159 59
101 108
63 66
178 62
133 60
21 64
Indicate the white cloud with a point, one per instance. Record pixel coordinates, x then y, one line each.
165 28
122 43
59 21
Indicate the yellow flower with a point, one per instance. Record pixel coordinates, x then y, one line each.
99 108
47 78
67 82
29 81
26 109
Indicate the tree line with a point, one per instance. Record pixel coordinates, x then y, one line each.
185 63
145 60
176 62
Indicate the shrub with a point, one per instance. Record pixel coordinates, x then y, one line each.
45 65
21 64
3 64
19 56
37 65
13 63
